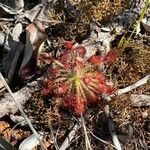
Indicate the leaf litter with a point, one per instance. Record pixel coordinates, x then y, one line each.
131 123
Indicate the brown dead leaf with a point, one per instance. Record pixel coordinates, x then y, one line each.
36 36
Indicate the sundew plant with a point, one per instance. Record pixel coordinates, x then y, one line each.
76 80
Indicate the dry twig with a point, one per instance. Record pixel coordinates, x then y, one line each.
7 105
129 88
134 86
22 112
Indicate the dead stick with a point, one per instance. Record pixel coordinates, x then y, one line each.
129 88
134 86
22 112
7 104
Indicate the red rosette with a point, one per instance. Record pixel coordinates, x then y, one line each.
86 80
110 57
45 91
80 51
62 89
105 89
99 77
95 59
64 57
78 62
50 85
69 44
79 106
69 101
92 97
53 72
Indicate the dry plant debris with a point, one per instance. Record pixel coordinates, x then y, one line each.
131 124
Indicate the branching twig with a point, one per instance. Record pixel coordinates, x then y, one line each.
22 112
112 130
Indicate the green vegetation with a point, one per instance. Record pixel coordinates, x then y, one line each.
125 42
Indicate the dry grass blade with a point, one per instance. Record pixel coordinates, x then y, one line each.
32 14
7 9
70 136
112 130
100 139
87 141
22 112
15 5
54 139
143 139
2 87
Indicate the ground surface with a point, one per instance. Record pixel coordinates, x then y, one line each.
132 124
